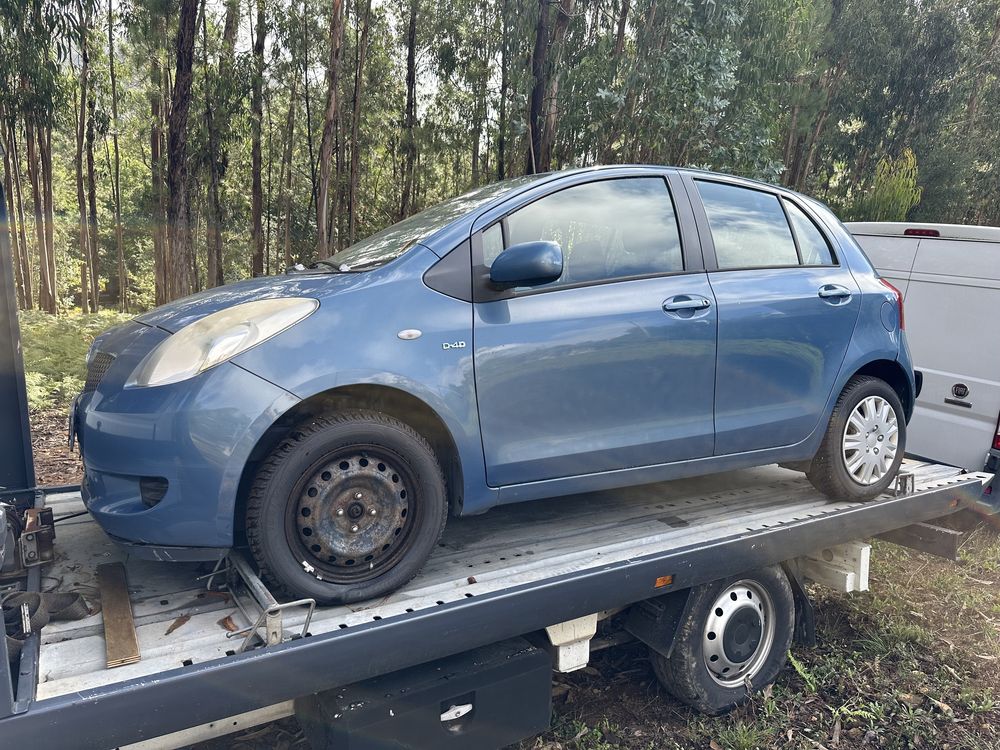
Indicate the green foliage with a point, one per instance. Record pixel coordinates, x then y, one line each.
837 98
892 193
800 669
55 351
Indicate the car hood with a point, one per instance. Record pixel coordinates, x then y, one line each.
180 313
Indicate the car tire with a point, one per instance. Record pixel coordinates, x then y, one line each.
833 471
346 508
719 630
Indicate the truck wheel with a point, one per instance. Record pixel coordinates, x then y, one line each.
347 508
864 442
733 641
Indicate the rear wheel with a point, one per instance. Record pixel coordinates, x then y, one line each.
863 446
733 641
347 508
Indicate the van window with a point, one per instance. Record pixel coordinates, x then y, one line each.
748 226
812 244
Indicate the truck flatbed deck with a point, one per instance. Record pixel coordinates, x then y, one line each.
513 571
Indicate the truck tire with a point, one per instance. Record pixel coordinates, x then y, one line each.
346 508
732 641
864 442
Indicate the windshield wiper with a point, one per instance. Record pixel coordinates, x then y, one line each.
361 266
324 265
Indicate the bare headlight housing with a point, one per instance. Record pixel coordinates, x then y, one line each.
219 337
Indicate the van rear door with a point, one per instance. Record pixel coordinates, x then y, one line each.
951 304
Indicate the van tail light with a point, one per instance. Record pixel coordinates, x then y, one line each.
899 301
915 232
996 437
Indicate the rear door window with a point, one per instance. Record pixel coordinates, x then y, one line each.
748 226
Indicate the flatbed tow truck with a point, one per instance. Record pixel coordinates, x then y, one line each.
460 657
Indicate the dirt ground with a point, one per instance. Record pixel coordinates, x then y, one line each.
55 464
912 663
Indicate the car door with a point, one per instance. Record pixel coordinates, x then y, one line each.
613 364
787 311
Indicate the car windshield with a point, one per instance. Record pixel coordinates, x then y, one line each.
393 241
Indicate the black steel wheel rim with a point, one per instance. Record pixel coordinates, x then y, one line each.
351 518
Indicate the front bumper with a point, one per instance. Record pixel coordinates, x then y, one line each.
190 440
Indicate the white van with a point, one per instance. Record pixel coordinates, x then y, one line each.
949 275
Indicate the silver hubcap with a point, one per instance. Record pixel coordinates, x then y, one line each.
870 440
739 633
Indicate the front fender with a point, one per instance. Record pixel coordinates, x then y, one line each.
353 339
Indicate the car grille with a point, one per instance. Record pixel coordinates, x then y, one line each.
96 370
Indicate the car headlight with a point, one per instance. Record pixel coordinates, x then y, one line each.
217 338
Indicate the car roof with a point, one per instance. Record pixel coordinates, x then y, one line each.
921 231
684 170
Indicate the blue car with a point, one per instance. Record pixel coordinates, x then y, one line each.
541 336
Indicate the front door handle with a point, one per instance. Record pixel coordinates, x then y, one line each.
684 302
833 291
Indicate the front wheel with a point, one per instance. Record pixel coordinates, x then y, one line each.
863 446
346 508
733 641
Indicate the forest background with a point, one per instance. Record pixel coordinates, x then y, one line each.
152 148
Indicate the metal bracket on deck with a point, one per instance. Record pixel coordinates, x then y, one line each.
37 537
27 540
906 484
241 577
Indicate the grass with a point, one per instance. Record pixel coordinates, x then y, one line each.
55 350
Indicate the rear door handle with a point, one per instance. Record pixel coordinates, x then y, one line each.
833 291
683 302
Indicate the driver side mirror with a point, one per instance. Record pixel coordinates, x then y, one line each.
527 264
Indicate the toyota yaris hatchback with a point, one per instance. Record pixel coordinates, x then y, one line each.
537 337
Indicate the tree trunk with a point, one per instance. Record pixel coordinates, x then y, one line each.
93 260
180 277
563 14
409 144
117 173
16 247
793 122
161 247
45 153
504 84
828 82
81 196
22 230
620 34
46 290
329 127
268 211
537 99
307 98
359 74
217 116
213 221
286 177
256 125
